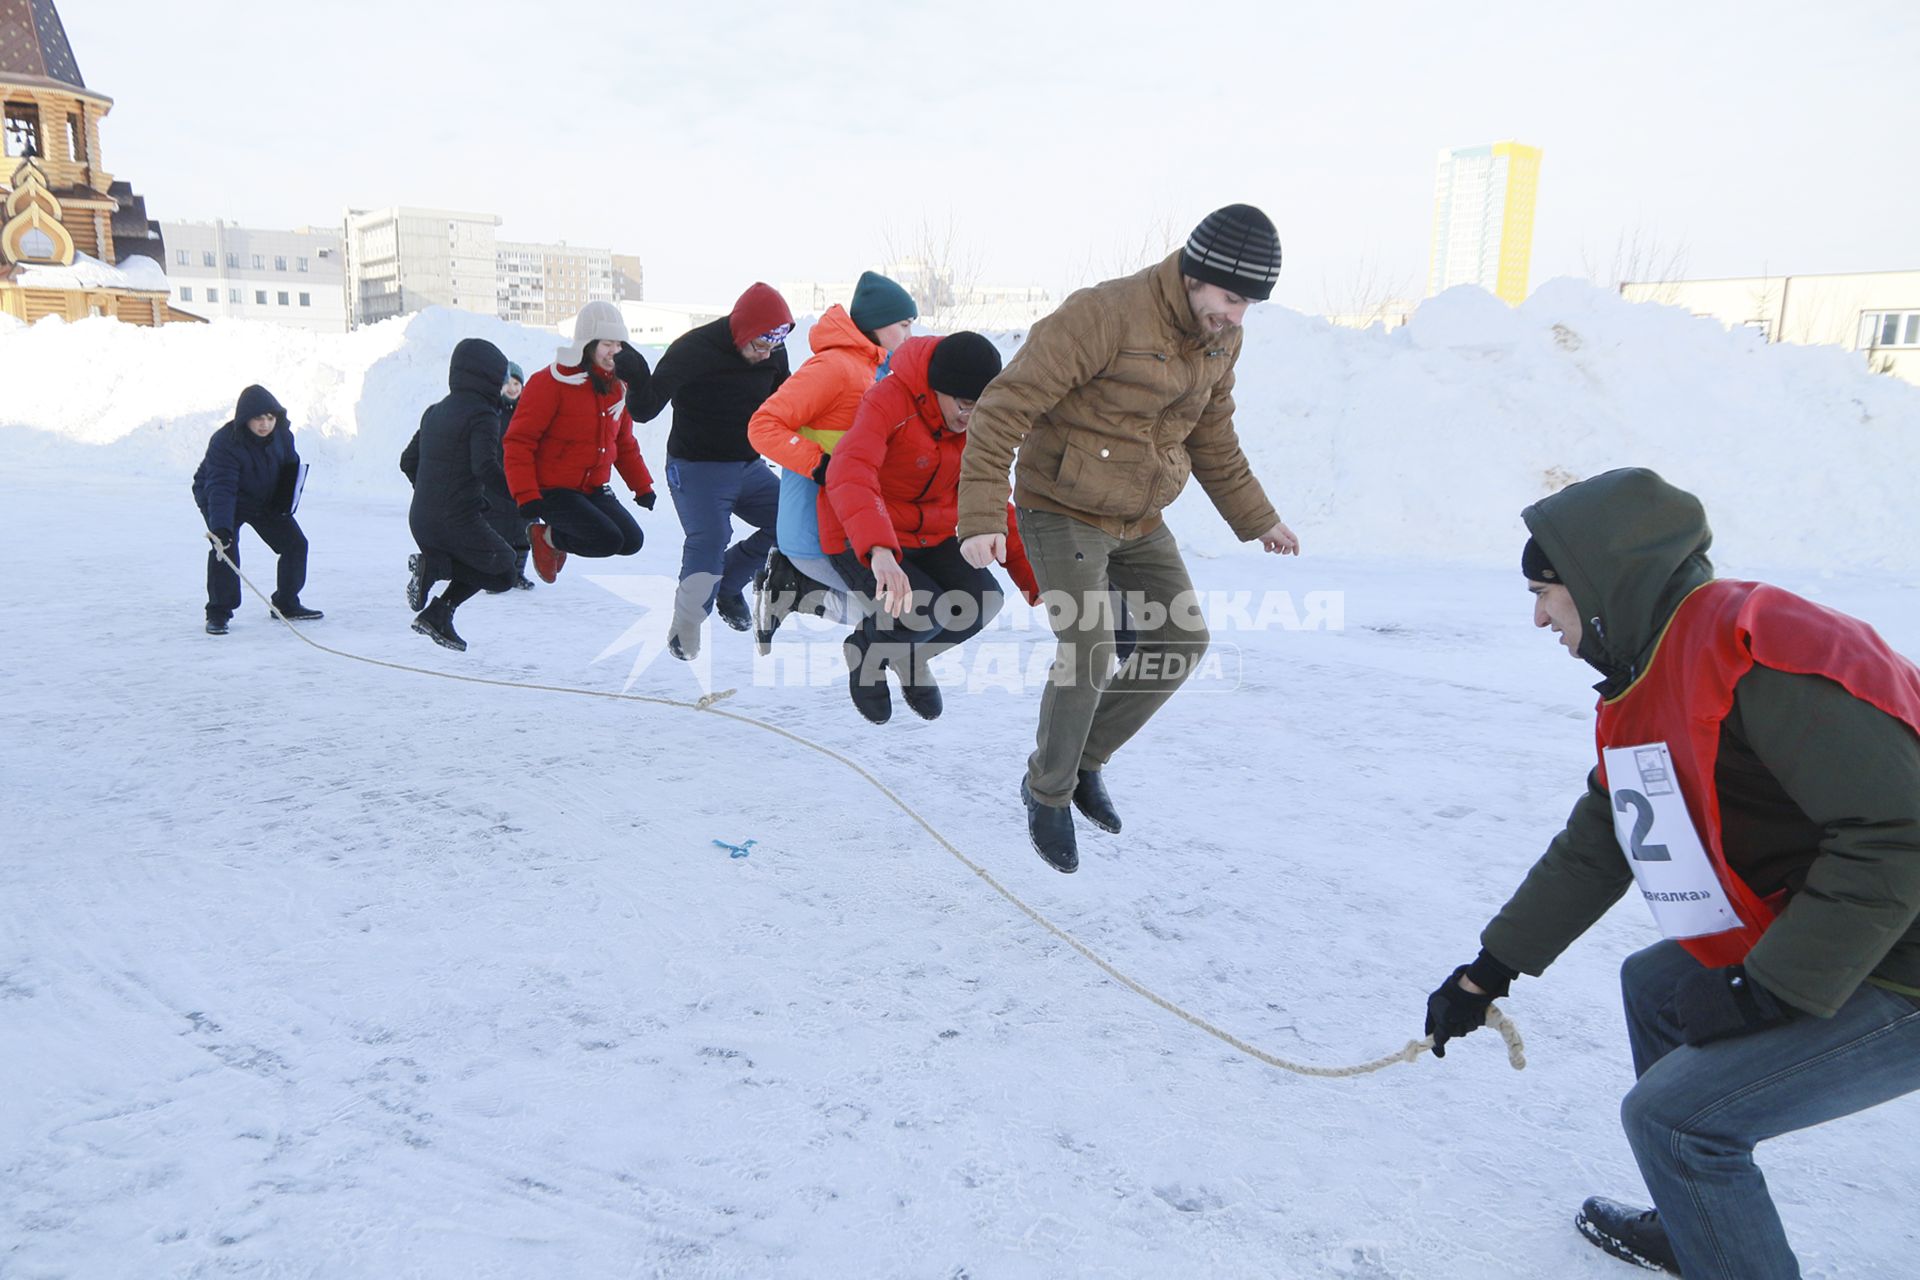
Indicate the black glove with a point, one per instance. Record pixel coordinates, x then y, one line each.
647 499
630 366
226 538
820 472
1712 1004
533 510
1452 1010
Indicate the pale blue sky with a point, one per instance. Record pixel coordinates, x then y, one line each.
724 142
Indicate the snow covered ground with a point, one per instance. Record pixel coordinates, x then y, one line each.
314 968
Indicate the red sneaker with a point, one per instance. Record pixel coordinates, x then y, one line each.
547 558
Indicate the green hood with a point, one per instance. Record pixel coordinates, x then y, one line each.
1630 547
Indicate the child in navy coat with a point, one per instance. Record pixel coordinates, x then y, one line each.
248 477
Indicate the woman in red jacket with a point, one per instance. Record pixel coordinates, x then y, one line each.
893 485
570 431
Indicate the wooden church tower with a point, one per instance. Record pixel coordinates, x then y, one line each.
73 242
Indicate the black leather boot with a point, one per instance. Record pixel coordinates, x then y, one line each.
1632 1235
1050 827
1091 799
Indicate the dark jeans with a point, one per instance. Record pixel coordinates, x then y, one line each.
952 602
594 524
707 496
283 537
1697 1111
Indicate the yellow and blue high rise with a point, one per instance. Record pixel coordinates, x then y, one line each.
1483 219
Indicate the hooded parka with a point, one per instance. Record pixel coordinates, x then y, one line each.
1818 790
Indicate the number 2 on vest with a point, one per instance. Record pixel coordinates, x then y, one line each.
1642 824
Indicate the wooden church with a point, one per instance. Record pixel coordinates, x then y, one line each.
73 242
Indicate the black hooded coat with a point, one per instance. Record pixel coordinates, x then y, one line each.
458 463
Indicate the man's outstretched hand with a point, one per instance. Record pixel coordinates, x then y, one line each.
1280 539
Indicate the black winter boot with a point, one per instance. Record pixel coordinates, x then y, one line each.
733 611
294 611
920 689
436 621
774 592
1091 799
1050 827
1632 1235
216 624
416 584
867 685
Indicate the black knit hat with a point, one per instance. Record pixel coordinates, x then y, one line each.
962 365
1236 248
1534 563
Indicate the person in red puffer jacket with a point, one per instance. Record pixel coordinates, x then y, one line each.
570 431
888 524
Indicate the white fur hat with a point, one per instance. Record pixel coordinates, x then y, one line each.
598 322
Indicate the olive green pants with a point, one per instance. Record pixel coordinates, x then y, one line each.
1088 710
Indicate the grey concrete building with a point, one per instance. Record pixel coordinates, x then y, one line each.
400 260
295 278
548 283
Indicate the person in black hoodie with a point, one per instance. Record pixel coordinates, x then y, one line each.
715 376
247 478
458 463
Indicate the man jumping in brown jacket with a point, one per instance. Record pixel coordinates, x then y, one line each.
1112 402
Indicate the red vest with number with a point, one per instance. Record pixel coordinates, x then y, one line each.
1718 634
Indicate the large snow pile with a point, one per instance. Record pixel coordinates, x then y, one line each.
1427 441
143 401
1422 443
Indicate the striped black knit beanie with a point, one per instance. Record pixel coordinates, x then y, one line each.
1236 248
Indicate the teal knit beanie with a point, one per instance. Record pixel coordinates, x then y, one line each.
879 302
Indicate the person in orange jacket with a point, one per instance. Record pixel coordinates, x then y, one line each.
797 426
893 486
570 432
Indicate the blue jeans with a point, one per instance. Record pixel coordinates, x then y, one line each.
799 527
822 570
1696 1112
707 496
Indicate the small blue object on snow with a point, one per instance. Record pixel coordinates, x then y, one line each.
735 850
